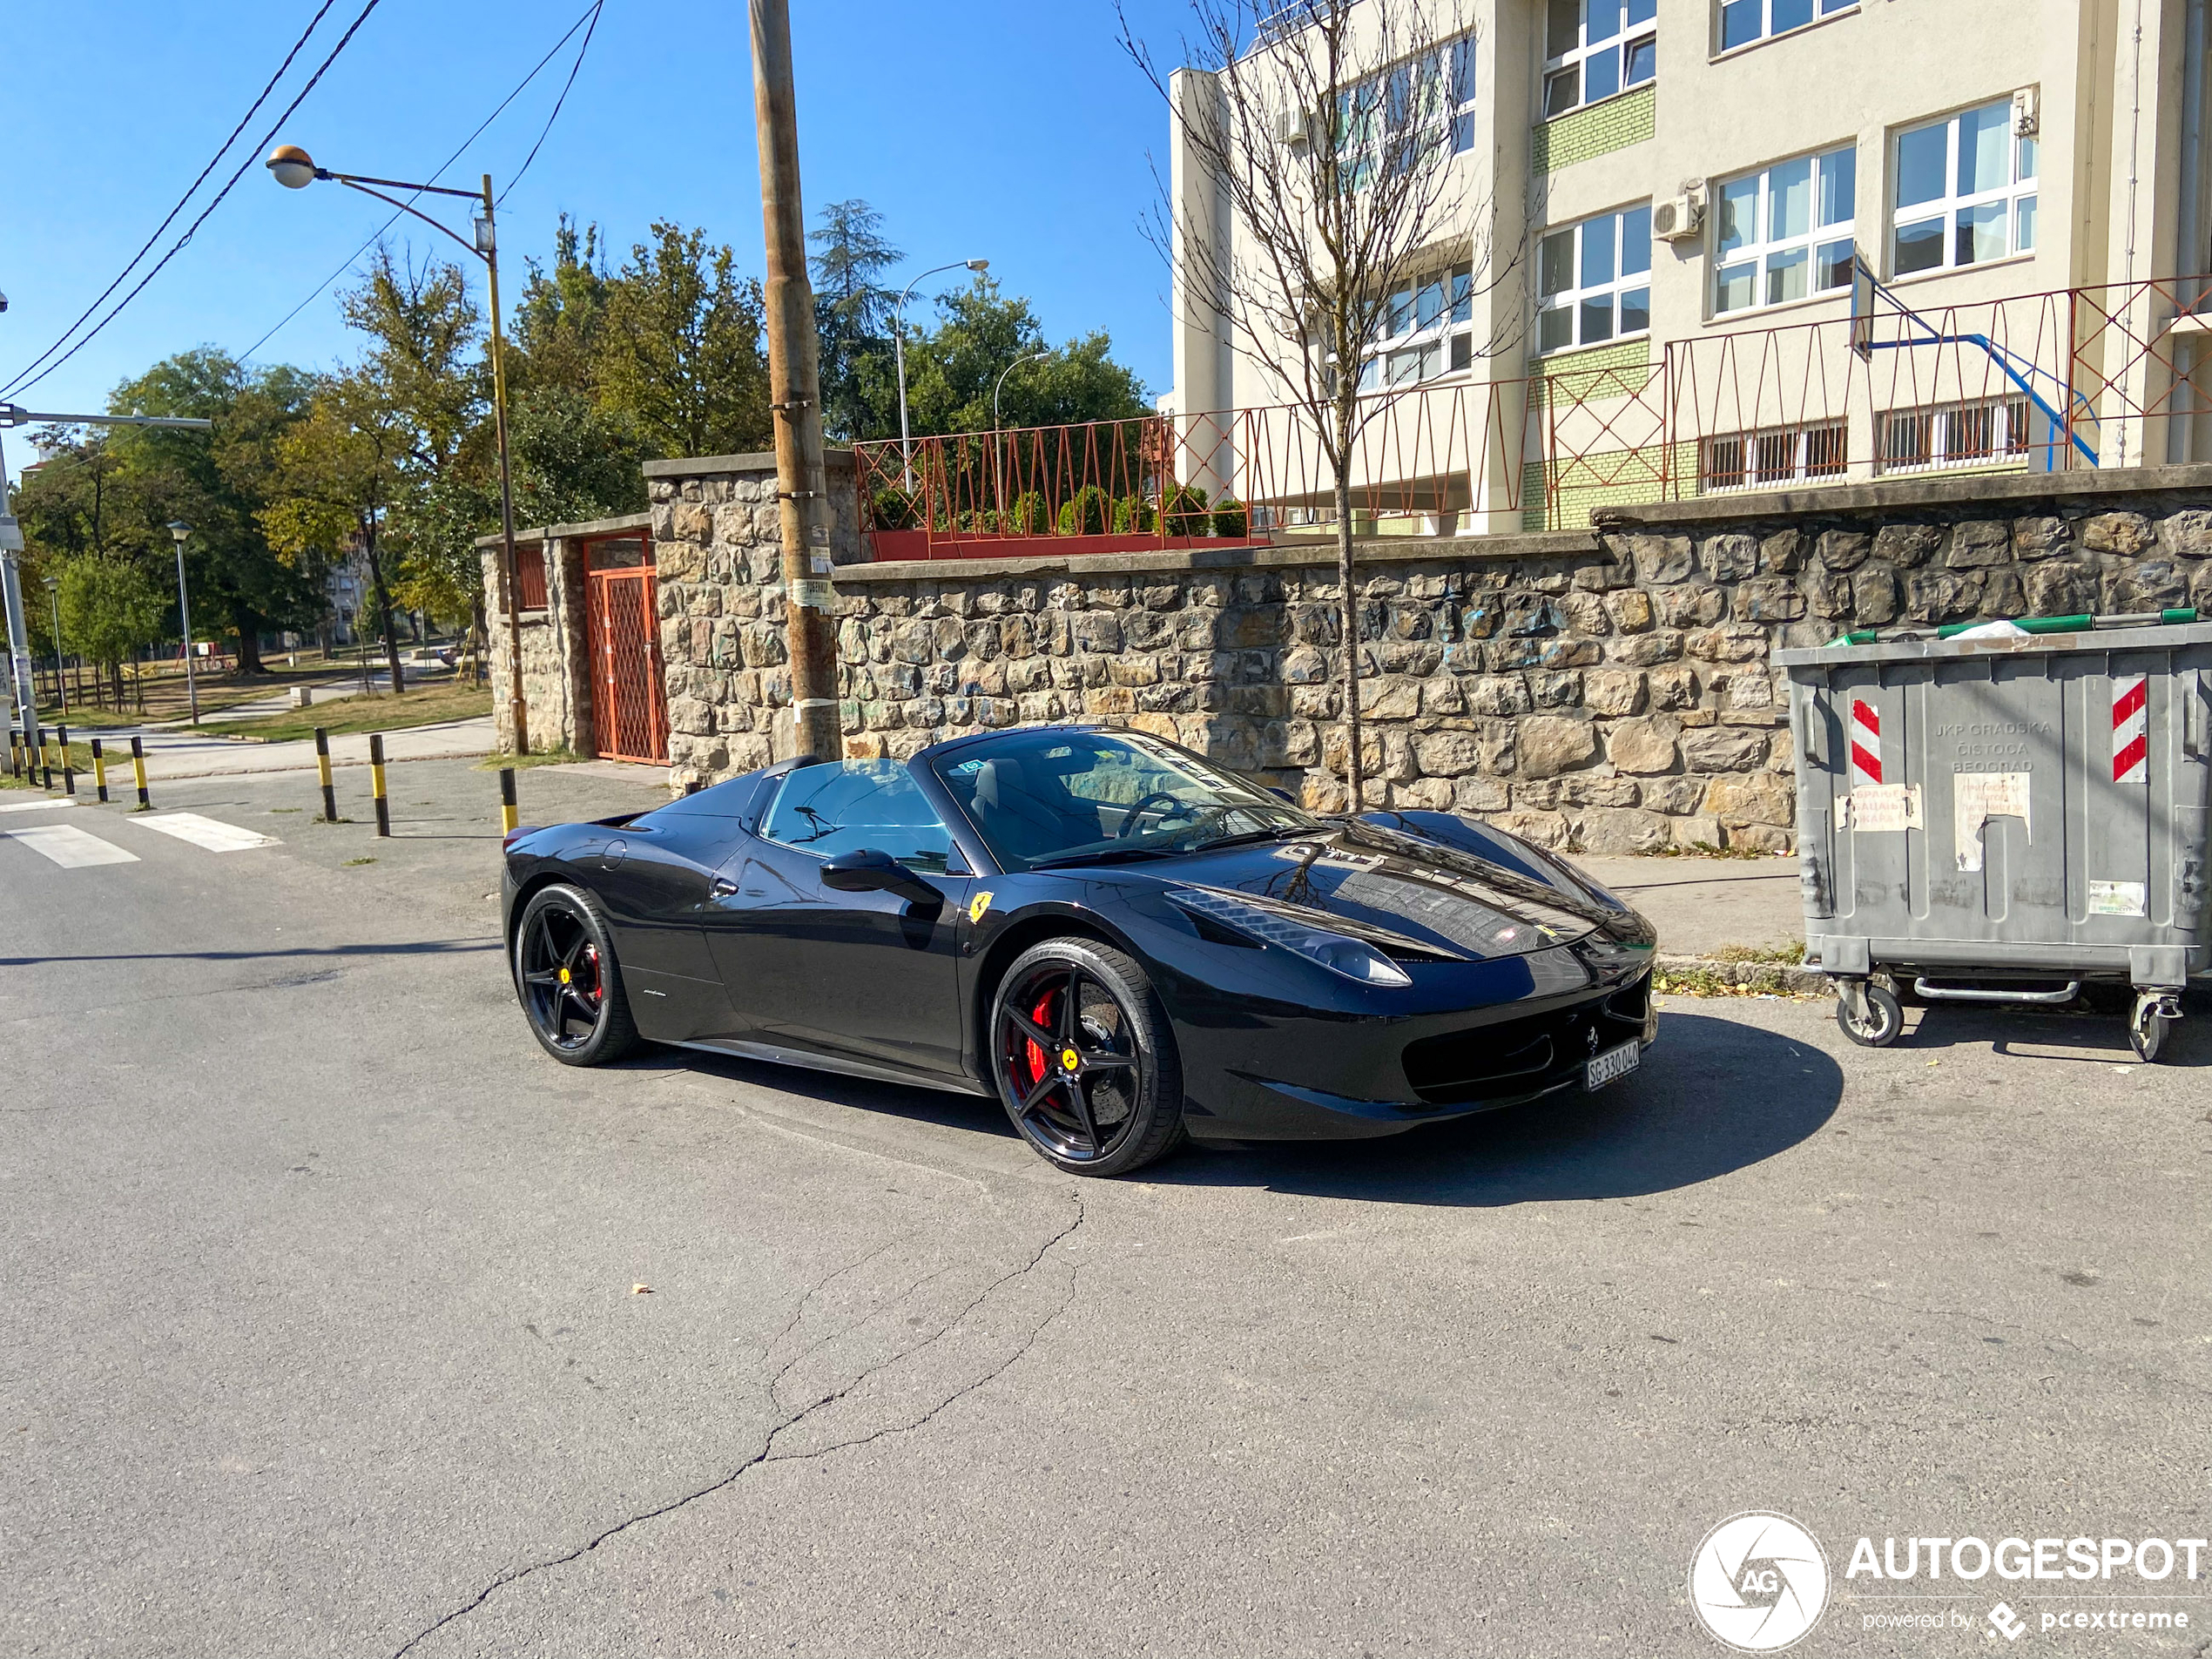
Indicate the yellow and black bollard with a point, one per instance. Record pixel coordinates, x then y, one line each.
376 782
99 771
509 815
138 773
323 766
68 773
44 761
14 754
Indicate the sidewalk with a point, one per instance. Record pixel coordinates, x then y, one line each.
173 753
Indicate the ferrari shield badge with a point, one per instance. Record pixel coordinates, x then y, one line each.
978 905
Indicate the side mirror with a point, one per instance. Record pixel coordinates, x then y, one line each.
867 870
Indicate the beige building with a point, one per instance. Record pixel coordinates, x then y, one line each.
1698 246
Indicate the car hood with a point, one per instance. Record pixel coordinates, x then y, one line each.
1405 880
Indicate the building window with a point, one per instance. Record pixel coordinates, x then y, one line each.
1594 281
1421 109
1954 434
1424 332
529 578
1965 193
1742 22
1595 48
1781 456
1785 233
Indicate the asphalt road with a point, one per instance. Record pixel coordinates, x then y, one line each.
322 1331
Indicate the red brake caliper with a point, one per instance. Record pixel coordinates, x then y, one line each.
591 955
1030 1052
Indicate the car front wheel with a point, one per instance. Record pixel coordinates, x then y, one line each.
1084 1059
569 982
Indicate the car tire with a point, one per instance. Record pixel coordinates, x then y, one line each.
1105 1095
564 968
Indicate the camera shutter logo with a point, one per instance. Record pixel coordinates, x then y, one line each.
1759 1582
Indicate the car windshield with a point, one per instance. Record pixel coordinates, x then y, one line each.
1048 797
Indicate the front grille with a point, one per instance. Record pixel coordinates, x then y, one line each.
1517 1057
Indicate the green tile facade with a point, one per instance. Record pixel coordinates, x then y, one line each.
1597 131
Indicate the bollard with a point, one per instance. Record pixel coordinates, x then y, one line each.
14 754
508 817
139 772
322 765
376 782
99 771
44 760
68 773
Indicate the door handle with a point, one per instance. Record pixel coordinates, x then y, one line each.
724 887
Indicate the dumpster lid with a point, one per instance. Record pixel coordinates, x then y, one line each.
1933 649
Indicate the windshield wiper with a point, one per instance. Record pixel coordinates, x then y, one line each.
1246 838
1110 855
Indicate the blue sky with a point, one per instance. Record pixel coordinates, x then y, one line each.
1011 130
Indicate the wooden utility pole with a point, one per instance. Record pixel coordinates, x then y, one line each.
794 382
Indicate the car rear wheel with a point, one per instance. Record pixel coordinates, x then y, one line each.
570 984
1084 1059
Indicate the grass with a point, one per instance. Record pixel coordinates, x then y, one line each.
1707 850
1790 955
80 757
380 712
536 758
1702 982
165 698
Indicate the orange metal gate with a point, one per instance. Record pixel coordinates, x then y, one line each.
628 702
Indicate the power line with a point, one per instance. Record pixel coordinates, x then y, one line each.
222 149
557 102
21 385
591 15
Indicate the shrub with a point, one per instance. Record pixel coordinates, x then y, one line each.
1132 515
1229 518
1088 513
1186 511
895 509
1026 517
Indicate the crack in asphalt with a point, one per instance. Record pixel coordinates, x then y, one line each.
767 1452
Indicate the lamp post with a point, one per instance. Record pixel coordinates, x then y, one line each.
998 444
899 351
179 531
295 169
53 584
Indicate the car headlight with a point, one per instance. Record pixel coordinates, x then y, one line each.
1353 958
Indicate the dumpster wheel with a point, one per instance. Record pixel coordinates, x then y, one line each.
2154 1012
1868 1012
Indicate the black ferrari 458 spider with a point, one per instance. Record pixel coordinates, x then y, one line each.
1122 941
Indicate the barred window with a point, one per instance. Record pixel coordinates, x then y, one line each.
1774 456
1955 434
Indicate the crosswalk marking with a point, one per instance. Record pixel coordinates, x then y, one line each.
68 846
36 805
210 833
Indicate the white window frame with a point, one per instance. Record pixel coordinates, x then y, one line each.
1723 10
1619 285
2018 195
1979 432
1437 86
1732 462
1764 254
1408 351
1637 28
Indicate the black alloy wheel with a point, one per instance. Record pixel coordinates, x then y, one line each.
1083 1058
570 985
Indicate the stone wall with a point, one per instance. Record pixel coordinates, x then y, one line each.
1606 690
557 671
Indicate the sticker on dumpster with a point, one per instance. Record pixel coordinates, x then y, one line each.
1876 807
1866 743
1977 797
2130 734
2117 898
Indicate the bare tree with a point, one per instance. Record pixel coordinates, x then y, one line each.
1329 139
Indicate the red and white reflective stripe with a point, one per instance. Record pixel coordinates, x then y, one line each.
1865 742
2130 733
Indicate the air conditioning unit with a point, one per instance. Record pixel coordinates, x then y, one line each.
1290 124
1678 217
2027 111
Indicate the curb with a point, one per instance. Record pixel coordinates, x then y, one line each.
1779 978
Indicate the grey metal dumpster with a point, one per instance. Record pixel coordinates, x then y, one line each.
2004 821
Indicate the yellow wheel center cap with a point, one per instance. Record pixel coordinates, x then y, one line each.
564 976
1069 1059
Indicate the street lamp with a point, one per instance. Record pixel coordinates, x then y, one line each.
899 350
295 169
998 444
177 531
54 598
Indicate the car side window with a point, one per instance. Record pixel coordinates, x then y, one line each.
844 805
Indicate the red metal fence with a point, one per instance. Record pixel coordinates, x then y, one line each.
2102 377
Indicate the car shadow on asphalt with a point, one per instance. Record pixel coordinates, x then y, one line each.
1713 1096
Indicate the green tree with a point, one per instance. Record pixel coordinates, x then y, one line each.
680 354
559 324
852 308
112 605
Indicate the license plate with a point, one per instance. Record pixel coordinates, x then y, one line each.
1601 1068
